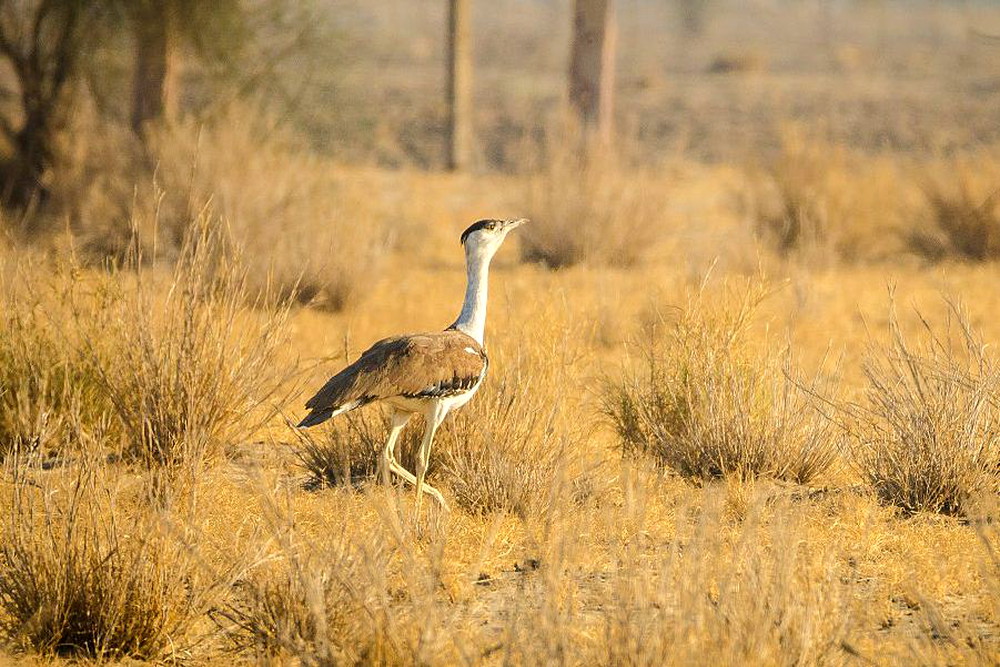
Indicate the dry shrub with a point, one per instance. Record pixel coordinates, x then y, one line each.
928 437
306 228
586 205
368 596
349 452
708 404
188 368
48 390
503 451
820 202
500 453
963 202
761 596
82 573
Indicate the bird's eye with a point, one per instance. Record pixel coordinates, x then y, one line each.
492 226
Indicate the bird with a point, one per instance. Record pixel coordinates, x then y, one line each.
431 374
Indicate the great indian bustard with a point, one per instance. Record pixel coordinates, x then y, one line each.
427 373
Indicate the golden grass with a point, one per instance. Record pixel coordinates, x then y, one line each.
588 206
50 394
707 405
558 548
84 571
305 229
928 437
504 453
195 372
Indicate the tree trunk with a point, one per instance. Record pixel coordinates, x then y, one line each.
152 88
592 65
34 153
45 65
459 85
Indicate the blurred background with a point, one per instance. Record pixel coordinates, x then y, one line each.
116 115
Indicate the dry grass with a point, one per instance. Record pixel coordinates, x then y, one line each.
305 230
501 453
586 205
86 572
372 599
40 387
708 404
928 438
822 203
762 595
344 457
963 201
49 392
348 451
301 608
194 372
557 550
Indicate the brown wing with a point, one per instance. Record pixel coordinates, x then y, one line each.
420 365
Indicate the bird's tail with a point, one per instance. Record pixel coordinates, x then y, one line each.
320 415
315 417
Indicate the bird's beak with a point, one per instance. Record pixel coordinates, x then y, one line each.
513 224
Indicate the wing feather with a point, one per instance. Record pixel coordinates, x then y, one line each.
417 365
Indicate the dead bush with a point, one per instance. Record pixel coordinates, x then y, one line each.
707 404
928 436
187 367
82 574
821 203
963 206
349 452
586 205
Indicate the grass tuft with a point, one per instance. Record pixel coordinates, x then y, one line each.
49 392
192 372
504 450
708 405
928 437
81 574
964 213
350 450
587 206
500 453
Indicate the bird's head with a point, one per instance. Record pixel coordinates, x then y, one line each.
482 239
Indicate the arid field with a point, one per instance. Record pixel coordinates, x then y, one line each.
743 403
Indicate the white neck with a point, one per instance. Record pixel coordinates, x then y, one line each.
472 319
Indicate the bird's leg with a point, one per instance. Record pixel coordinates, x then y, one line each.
434 419
389 463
